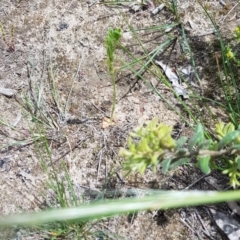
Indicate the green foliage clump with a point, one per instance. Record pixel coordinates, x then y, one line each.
155 147
154 140
229 53
237 33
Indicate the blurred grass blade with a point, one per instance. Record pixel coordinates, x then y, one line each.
158 50
158 200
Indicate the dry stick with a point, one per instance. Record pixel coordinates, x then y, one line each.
213 31
205 231
32 95
100 155
190 224
106 169
129 90
230 11
194 219
187 225
79 143
222 2
120 178
192 184
100 110
234 15
196 231
71 89
93 2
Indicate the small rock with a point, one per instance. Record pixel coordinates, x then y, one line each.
1 163
7 92
20 163
62 26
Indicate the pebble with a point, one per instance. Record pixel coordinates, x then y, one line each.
1 163
62 26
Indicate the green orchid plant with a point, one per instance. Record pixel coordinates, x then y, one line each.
111 43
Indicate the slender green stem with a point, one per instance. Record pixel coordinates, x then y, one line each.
111 42
114 94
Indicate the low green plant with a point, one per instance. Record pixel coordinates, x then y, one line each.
229 53
111 42
152 145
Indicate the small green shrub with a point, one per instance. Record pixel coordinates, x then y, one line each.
152 145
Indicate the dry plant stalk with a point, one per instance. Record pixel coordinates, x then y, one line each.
10 44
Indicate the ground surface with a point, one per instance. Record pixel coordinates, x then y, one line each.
59 46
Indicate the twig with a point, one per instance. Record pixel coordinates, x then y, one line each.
230 11
79 143
205 231
79 121
213 31
196 231
222 2
100 109
100 155
193 231
71 89
93 2
120 178
192 184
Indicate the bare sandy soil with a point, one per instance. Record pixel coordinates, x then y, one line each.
59 46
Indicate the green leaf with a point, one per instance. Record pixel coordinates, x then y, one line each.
204 164
182 152
205 145
222 130
229 128
197 138
214 146
180 142
236 147
165 165
230 137
178 163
